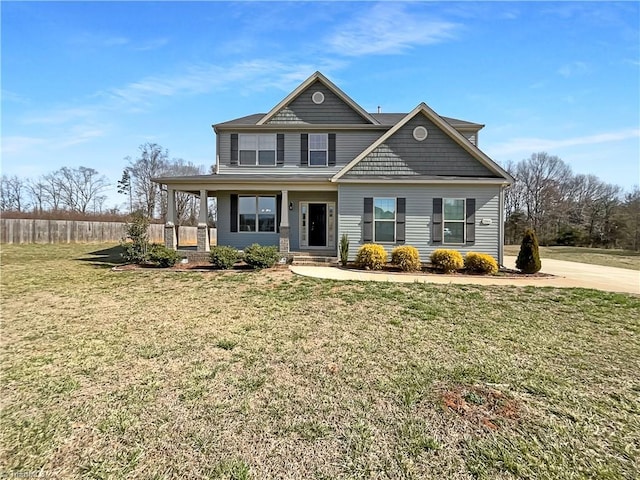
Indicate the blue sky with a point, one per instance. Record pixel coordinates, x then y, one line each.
87 83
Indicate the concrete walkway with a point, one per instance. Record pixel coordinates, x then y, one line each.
567 275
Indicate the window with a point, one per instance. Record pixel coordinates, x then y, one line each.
453 220
257 150
318 147
384 219
257 214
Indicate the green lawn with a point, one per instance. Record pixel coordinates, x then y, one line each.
595 256
158 374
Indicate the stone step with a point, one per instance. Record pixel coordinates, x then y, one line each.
310 260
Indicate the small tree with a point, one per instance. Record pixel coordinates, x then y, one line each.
528 260
135 243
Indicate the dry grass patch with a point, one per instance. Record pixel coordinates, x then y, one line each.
153 374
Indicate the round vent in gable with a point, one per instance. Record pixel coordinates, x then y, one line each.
420 133
317 97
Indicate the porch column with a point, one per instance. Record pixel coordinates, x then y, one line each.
284 222
203 227
170 233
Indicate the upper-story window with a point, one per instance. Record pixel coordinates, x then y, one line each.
257 149
318 149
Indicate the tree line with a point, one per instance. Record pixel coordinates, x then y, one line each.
564 208
82 190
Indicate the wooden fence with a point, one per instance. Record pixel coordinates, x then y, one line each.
19 230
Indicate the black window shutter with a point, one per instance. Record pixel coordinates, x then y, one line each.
471 220
234 149
400 219
367 220
436 233
280 149
278 211
304 149
332 149
234 213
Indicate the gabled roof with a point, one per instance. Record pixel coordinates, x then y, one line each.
317 76
422 108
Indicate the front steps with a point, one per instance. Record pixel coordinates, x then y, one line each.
314 260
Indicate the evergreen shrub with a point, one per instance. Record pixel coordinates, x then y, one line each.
371 256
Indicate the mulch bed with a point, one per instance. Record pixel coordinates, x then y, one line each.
241 266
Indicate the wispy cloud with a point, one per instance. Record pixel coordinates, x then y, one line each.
254 75
388 28
574 68
520 145
18 144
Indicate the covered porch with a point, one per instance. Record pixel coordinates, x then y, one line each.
294 215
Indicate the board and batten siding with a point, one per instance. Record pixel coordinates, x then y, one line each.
303 110
348 146
438 154
240 240
419 210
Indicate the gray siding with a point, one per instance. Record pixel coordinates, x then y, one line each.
348 146
303 110
401 154
243 239
239 239
419 207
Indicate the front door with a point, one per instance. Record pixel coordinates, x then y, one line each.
317 224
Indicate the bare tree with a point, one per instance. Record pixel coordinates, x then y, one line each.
36 190
81 187
152 162
187 204
13 194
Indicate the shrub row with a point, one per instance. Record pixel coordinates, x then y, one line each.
373 257
257 256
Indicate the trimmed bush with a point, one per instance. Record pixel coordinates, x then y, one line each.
447 260
480 263
223 257
344 249
163 256
259 256
528 260
371 256
407 258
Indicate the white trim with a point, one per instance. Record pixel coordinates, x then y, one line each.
446 127
435 181
327 83
257 149
303 228
317 98
420 133
257 213
326 150
395 218
463 221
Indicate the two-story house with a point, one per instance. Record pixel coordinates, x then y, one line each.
318 166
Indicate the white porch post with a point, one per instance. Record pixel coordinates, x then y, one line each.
170 233
284 222
203 227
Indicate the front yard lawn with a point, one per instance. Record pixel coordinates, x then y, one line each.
257 375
